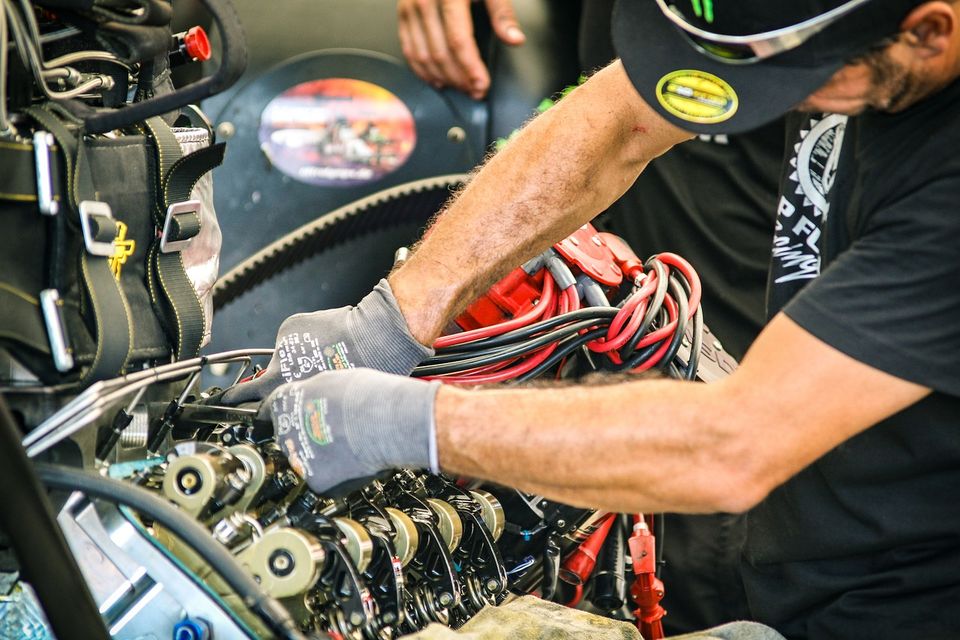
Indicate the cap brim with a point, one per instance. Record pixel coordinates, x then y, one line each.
664 66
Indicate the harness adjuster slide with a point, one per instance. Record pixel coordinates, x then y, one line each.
56 330
42 146
180 226
98 226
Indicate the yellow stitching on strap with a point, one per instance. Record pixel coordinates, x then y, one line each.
20 294
18 197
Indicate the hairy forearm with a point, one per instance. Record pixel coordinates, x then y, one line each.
667 445
640 446
563 169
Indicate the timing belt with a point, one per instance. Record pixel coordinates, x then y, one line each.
376 212
111 312
171 291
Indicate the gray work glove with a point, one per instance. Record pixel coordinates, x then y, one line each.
340 429
373 334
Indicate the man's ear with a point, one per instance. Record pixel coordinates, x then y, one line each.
929 28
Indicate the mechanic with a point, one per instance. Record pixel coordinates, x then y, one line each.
720 192
837 432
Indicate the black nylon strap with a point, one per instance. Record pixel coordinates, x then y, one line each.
67 140
176 177
18 180
113 325
15 305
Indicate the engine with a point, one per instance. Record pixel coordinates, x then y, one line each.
402 551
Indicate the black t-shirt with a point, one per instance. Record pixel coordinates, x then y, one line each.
865 542
712 201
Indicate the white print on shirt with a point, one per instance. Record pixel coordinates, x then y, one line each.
716 138
801 214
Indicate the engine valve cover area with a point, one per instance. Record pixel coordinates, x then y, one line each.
386 561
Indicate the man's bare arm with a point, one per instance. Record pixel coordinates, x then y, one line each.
563 169
665 445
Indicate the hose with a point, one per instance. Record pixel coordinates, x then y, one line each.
189 531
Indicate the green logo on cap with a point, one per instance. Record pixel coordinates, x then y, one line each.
705 10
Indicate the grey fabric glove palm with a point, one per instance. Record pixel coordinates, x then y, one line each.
373 334
340 429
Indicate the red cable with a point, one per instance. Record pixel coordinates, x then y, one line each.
623 326
641 295
690 274
667 331
531 316
566 299
577 596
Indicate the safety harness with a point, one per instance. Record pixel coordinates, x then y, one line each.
75 321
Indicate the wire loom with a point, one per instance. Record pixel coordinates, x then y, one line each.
635 331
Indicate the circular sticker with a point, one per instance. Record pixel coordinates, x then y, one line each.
697 96
337 132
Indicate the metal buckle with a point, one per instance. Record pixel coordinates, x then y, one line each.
56 330
42 142
177 208
89 209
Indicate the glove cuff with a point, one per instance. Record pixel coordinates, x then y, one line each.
383 337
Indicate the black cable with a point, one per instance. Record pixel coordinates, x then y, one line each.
690 372
563 350
598 313
656 304
188 530
660 528
45 559
555 335
504 354
639 358
680 298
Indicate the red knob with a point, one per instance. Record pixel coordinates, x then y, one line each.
197 44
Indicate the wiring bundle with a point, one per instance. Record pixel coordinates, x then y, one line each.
588 295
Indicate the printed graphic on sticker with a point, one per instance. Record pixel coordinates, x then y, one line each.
314 414
337 132
697 96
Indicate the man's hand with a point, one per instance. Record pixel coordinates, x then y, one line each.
372 334
341 429
438 41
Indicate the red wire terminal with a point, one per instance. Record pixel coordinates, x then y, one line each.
623 255
647 589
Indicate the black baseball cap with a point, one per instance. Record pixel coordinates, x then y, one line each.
701 64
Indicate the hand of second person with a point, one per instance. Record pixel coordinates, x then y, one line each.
438 41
